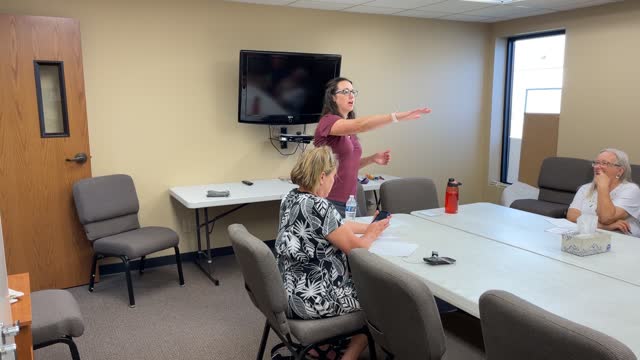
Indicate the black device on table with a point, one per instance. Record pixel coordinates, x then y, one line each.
247 182
435 259
381 216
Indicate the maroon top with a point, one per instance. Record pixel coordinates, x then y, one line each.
348 152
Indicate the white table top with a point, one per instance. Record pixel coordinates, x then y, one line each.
594 300
527 231
195 197
375 184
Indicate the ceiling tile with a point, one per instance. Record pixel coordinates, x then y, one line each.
373 10
313 4
502 11
402 4
455 6
581 5
464 17
422 14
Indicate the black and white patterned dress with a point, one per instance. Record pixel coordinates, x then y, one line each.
315 273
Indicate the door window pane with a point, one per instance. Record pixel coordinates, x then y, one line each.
52 104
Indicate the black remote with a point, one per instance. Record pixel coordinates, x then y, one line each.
247 182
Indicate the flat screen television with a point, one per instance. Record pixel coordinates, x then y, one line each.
283 88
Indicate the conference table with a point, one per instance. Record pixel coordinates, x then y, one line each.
195 197
497 260
527 231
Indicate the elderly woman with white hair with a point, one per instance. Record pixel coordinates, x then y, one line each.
612 196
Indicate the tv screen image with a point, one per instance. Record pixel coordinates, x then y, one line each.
283 88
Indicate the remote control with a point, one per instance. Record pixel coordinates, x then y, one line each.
247 182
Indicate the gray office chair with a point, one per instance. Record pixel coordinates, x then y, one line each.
408 194
263 282
401 312
56 318
361 198
108 209
516 329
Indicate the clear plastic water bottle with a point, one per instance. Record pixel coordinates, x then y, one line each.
350 208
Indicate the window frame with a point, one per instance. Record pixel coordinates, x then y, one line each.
508 88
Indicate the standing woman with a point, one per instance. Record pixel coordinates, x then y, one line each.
337 129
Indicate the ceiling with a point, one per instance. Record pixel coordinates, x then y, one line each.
456 10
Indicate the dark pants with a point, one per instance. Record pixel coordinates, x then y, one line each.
340 206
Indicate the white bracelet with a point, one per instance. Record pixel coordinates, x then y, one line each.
394 118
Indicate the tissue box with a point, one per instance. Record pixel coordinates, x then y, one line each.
586 244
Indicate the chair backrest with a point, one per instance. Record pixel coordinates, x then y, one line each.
513 328
401 312
106 205
560 178
362 201
408 194
262 278
635 174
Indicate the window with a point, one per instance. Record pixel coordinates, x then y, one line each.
533 85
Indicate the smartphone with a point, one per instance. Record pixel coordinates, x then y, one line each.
381 216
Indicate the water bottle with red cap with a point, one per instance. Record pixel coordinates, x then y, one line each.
451 197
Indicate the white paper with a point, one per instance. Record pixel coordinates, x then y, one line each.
392 248
431 212
563 223
13 294
559 230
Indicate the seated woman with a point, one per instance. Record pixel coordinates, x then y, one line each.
312 244
611 196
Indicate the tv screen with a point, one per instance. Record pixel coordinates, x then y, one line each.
281 88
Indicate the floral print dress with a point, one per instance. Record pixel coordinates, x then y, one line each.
315 273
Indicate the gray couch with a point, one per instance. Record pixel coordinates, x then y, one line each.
559 179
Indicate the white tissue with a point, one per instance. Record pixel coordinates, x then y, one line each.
587 224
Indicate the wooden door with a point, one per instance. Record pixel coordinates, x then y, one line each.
42 234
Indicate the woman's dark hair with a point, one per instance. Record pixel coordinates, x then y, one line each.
330 106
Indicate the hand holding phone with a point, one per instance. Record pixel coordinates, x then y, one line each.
381 215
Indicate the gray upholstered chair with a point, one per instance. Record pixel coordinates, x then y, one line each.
361 198
408 194
513 328
401 311
263 282
108 209
56 318
559 180
635 174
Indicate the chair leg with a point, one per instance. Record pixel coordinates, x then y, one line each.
127 270
372 345
142 265
304 352
92 278
72 347
179 264
263 341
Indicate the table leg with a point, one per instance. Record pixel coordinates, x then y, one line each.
200 255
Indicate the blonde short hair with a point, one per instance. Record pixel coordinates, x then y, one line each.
311 165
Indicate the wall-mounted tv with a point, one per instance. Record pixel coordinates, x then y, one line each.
283 88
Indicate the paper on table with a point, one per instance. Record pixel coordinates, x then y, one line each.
14 294
431 212
392 248
563 223
559 230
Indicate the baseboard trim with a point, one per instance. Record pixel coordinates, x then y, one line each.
167 260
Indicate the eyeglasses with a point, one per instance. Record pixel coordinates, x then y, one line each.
346 92
603 164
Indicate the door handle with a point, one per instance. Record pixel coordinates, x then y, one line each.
79 158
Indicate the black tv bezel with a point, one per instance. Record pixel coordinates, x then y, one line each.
284 119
